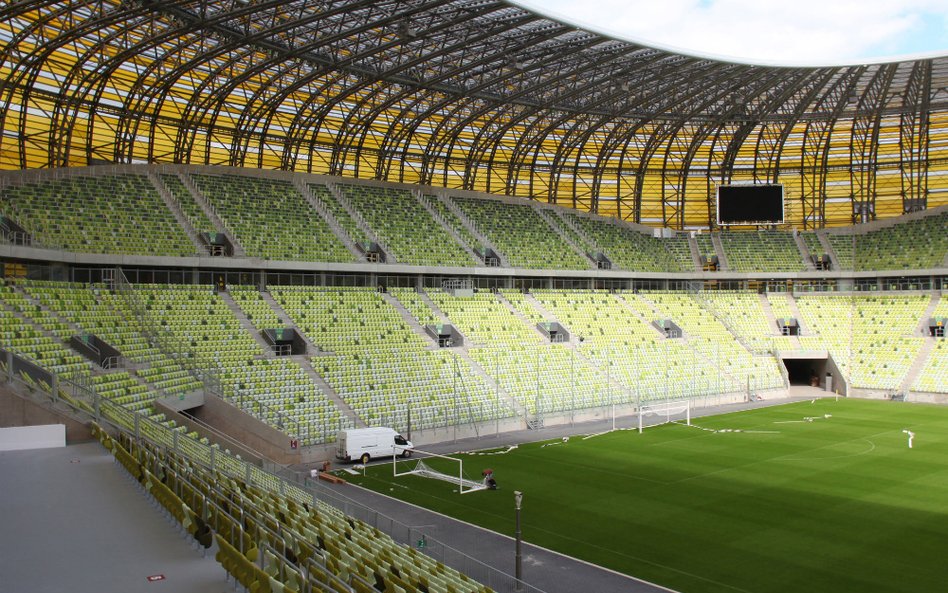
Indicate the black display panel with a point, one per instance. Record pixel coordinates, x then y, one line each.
750 204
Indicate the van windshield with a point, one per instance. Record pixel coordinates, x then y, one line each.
400 440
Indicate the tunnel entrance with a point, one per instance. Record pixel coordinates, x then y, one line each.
806 371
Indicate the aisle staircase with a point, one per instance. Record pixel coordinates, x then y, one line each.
201 200
804 251
247 324
322 210
178 213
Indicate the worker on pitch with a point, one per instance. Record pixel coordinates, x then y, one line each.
911 437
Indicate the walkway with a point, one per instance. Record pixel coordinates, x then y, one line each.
74 521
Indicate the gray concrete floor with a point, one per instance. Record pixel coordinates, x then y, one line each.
73 522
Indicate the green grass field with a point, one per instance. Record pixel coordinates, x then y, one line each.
836 504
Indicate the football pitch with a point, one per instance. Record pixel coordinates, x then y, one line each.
823 496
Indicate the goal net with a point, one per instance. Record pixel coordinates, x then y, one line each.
665 413
452 470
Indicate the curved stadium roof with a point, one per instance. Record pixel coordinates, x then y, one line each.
472 94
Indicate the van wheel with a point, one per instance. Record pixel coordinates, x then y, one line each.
406 453
364 458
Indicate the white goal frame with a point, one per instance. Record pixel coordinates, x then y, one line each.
420 468
666 409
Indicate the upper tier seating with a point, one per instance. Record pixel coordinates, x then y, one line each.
846 249
629 249
521 235
916 244
406 227
271 219
812 242
576 235
116 214
705 245
268 217
761 251
679 250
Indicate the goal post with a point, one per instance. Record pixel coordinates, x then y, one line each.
665 412
455 475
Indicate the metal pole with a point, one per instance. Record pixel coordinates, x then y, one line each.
572 385
497 389
456 410
518 499
612 392
537 379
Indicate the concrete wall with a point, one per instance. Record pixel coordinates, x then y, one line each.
16 410
244 428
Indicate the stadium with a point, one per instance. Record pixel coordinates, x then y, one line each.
691 311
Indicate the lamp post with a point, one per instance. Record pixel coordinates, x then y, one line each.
518 499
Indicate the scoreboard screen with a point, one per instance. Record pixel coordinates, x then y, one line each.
750 204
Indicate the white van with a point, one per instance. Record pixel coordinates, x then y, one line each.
368 443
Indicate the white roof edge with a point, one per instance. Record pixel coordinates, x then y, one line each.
536 7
